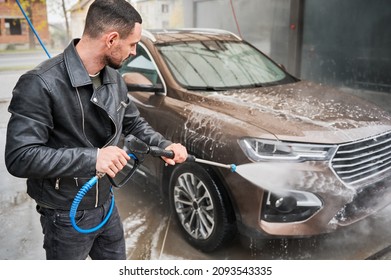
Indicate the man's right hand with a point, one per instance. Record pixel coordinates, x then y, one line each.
111 160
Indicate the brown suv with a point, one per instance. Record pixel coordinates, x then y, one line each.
309 158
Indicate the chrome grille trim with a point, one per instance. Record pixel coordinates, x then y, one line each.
358 161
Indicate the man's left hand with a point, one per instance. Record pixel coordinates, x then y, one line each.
180 153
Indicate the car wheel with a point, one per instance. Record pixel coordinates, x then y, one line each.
199 208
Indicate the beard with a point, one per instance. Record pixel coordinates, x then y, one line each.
112 60
109 61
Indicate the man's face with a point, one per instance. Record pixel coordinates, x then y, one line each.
124 48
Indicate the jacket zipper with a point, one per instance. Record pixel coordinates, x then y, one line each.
123 104
57 185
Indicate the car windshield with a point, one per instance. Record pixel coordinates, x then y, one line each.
221 65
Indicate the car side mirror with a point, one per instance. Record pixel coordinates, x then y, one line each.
138 82
145 88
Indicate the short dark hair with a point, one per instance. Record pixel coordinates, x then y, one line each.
111 15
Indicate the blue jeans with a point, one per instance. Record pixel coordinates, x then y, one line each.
63 242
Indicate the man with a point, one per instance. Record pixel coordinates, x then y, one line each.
67 117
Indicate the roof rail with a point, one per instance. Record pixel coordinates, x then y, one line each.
150 35
211 30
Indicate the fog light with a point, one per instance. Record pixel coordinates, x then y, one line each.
289 206
283 204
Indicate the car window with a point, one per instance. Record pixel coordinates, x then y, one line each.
140 69
216 64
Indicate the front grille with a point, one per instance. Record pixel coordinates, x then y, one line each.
361 160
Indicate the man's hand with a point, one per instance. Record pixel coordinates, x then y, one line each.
180 153
111 160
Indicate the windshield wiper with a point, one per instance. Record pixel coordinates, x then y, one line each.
206 88
255 85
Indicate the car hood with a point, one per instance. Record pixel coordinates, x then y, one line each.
303 111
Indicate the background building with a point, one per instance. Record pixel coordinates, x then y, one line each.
156 13
78 13
14 29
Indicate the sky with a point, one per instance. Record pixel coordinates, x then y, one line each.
54 13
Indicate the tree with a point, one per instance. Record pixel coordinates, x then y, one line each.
58 9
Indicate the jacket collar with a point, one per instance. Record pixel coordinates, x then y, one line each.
76 70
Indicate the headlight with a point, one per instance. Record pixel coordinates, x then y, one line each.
261 150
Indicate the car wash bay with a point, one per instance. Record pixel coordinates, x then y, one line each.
317 53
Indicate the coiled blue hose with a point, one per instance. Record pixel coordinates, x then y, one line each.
76 201
82 192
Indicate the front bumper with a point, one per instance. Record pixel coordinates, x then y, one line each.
341 204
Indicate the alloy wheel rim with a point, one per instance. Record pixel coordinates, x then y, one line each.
194 206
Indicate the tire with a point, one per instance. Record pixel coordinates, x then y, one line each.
200 209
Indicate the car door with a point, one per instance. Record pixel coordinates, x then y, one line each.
148 90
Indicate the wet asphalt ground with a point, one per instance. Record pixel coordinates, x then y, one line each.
151 234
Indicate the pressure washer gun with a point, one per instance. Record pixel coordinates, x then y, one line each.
137 150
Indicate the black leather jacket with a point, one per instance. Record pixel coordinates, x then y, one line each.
47 136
